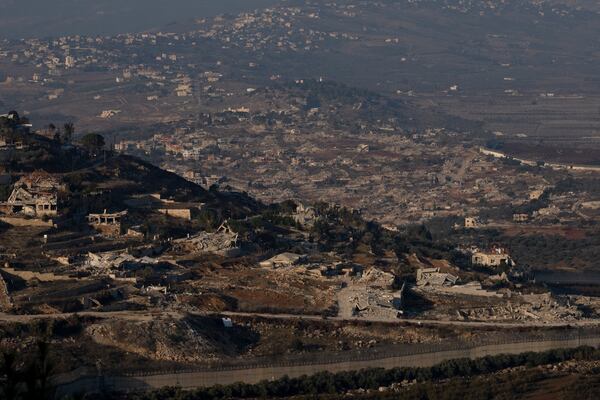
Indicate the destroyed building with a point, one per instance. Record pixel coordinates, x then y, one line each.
520 217
283 260
223 242
433 277
305 216
107 223
115 264
34 195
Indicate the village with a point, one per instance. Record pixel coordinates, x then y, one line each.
123 246
401 197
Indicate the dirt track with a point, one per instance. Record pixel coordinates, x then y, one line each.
148 316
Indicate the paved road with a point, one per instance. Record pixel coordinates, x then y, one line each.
224 376
415 356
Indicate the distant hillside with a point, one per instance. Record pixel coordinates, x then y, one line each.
365 106
23 151
41 18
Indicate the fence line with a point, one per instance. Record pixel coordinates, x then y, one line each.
85 379
368 354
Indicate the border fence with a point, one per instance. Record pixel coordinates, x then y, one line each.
89 380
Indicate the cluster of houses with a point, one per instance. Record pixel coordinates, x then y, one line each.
42 198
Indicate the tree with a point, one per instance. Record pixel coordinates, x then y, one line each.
208 218
10 387
25 377
69 129
93 142
14 116
37 374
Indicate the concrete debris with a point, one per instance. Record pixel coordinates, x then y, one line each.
282 260
370 296
104 263
227 323
377 278
468 289
433 277
34 195
521 312
223 242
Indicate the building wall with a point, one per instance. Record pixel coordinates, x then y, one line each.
470 222
489 260
184 213
17 221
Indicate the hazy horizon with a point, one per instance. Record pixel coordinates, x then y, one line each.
43 18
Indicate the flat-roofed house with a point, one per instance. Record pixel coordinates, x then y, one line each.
493 258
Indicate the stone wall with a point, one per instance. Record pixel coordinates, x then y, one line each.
16 221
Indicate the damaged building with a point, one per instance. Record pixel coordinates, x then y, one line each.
107 223
305 216
433 277
34 195
283 260
223 242
117 264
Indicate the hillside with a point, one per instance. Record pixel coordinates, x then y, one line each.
113 258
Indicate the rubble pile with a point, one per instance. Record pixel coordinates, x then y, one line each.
101 264
162 339
222 242
377 278
370 296
549 311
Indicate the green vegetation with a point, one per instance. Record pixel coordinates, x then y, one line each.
589 184
544 251
10 125
510 386
209 219
93 142
69 131
5 191
584 388
26 377
329 90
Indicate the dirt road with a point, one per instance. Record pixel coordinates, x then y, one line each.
149 315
